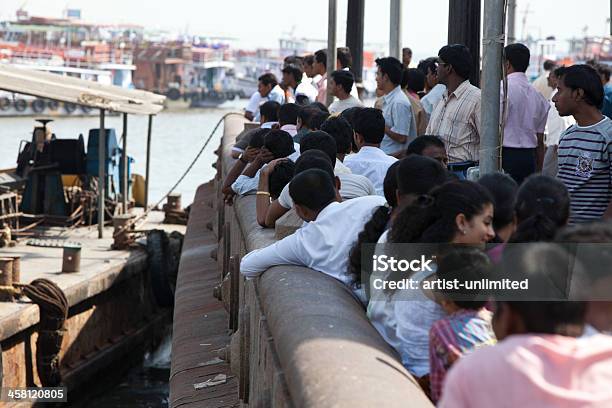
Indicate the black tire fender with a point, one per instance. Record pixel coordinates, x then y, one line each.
20 105
69 107
38 105
5 103
160 265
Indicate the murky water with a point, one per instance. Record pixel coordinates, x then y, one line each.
176 138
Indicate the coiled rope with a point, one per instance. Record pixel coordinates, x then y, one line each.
53 314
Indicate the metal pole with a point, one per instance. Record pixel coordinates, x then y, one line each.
101 174
331 45
491 78
148 162
511 21
395 29
124 161
354 35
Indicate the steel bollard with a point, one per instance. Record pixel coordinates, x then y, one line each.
72 259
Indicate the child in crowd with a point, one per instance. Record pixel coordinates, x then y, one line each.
467 325
539 361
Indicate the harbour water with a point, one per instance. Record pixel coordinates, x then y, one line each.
176 138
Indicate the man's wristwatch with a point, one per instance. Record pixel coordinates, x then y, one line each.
241 158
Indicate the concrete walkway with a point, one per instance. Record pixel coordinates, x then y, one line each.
199 378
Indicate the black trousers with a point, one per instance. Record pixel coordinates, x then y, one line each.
519 163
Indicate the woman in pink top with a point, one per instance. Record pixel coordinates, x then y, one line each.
539 362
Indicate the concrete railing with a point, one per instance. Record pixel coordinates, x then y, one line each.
301 338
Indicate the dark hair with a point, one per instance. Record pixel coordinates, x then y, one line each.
305 114
313 189
321 141
342 132
390 185
503 189
547 262
413 79
603 69
431 218
293 60
586 78
279 143
321 57
459 57
406 49
345 57
280 177
270 110
391 67
288 114
560 71
463 264
419 175
317 120
518 55
542 207
309 59
314 159
549 65
418 145
370 124
320 106
428 65
257 137
345 79
349 115
295 71
268 79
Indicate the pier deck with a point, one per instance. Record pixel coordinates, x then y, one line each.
200 321
100 267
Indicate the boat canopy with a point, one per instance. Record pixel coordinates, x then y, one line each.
79 91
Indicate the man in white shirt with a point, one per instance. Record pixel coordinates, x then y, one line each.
400 124
268 88
344 62
324 243
436 89
277 144
370 161
317 143
252 109
297 91
541 83
340 84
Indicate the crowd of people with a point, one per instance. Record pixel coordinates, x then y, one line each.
400 172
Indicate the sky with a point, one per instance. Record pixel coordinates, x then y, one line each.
261 23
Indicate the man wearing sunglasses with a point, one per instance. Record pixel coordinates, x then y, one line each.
456 118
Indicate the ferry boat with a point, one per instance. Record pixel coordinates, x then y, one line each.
68 47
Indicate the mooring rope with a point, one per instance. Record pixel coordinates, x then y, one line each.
54 307
129 224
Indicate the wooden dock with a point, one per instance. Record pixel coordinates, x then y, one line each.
200 375
98 329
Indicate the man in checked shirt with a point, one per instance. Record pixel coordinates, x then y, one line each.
456 118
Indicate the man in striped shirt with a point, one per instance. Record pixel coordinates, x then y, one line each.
456 118
585 149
